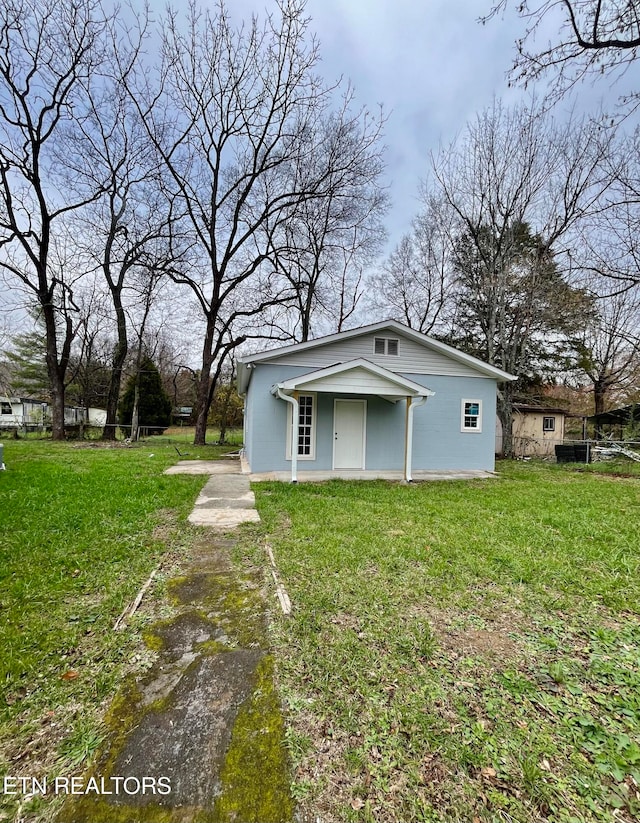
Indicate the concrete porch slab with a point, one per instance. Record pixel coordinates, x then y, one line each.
398 476
204 467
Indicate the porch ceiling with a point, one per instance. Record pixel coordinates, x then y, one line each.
355 377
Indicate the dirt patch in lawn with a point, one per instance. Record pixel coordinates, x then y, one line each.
461 635
476 642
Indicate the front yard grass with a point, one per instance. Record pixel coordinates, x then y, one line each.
461 651
81 527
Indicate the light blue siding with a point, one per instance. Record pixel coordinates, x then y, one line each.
438 442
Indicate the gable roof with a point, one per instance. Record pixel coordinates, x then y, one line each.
357 377
245 362
530 407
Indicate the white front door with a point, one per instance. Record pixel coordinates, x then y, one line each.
349 434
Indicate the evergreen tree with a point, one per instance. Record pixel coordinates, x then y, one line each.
27 365
514 308
154 404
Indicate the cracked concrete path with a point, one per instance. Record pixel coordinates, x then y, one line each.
200 737
226 499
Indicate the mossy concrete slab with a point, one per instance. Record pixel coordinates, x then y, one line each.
186 737
206 718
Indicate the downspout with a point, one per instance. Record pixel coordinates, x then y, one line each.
295 418
412 403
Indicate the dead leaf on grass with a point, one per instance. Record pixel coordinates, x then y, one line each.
70 675
488 771
357 803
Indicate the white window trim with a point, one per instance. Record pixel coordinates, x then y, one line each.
314 418
386 346
468 429
548 417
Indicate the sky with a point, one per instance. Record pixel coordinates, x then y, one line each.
431 65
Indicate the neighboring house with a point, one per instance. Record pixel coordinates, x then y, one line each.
536 430
74 415
30 414
21 413
382 398
80 415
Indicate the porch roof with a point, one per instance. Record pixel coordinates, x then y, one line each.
355 377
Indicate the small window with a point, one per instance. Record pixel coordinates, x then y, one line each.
385 345
306 427
548 424
472 415
6 408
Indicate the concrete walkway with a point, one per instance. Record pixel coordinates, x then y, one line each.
226 500
205 720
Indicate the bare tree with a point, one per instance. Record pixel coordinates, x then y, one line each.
414 284
148 286
47 51
229 118
130 226
129 230
516 183
594 38
326 241
604 248
608 347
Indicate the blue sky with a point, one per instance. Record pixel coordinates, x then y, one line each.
430 64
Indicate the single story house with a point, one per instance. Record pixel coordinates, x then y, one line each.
536 430
22 412
381 398
27 413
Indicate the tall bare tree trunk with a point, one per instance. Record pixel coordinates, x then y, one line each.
117 364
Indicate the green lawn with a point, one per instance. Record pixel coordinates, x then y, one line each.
462 651
81 528
458 651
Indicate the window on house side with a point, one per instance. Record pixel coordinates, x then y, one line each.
305 425
6 408
548 424
471 415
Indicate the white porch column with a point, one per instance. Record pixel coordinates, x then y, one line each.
412 404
